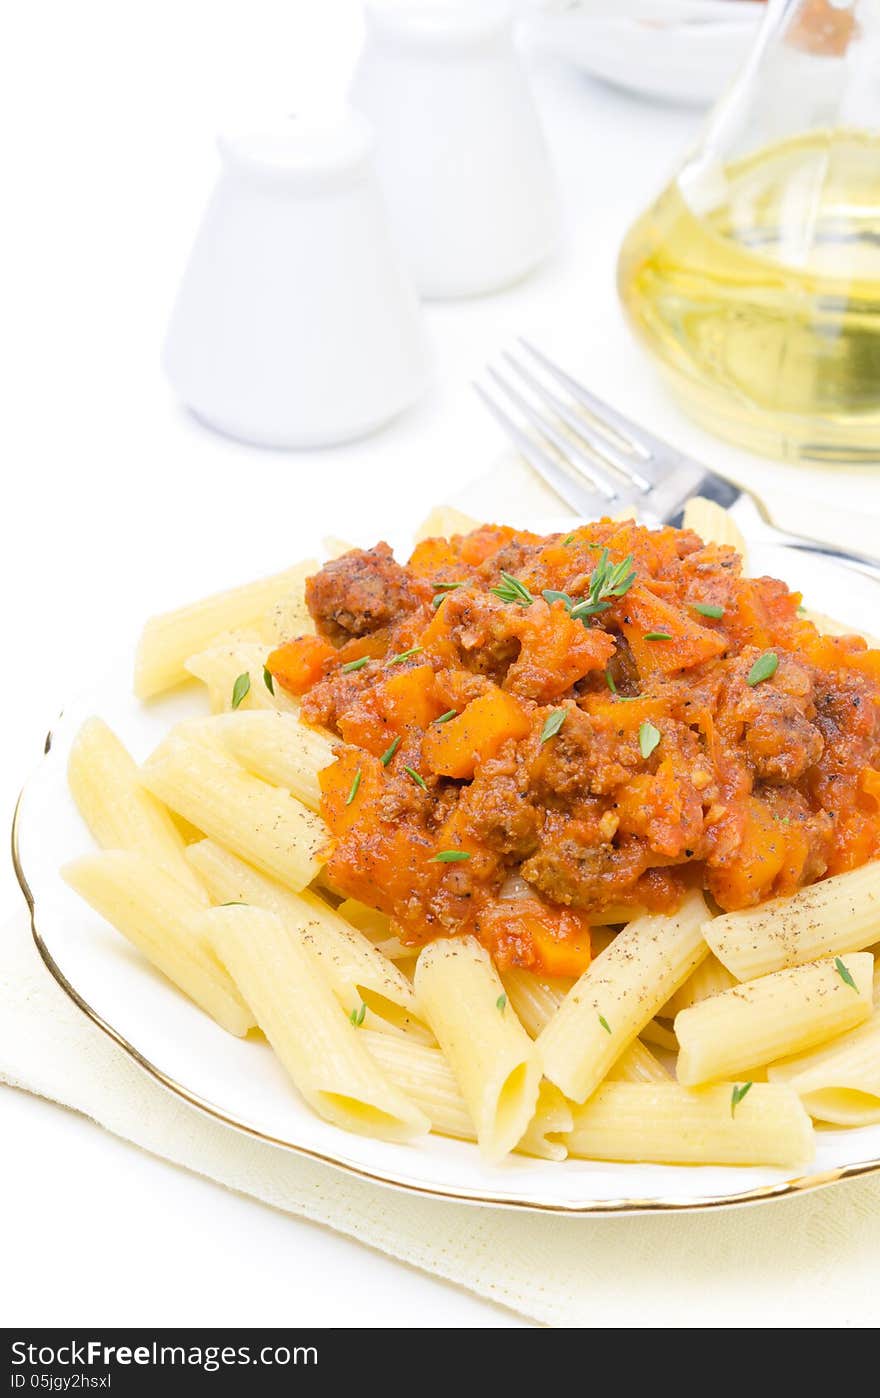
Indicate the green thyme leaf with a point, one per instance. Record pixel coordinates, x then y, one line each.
446 587
566 543
390 751
501 1003
419 780
709 609
268 679
444 718
405 655
657 636
845 974
737 1095
552 724
353 789
551 595
649 737
351 665
450 856
510 589
240 689
357 1016
765 666
604 1023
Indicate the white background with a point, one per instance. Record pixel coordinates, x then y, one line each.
116 504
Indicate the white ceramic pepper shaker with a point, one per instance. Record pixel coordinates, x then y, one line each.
296 323
459 148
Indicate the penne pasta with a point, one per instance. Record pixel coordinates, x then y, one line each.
317 1045
774 1017
491 1055
618 996
154 911
358 973
121 813
168 640
547 1132
289 616
637 1064
710 978
670 1125
222 664
839 1082
376 927
660 1035
425 1076
838 915
444 521
714 524
279 749
534 999
263 824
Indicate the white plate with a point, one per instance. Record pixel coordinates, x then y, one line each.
676 58
241 1083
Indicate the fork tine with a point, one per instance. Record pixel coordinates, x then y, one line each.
597 476
598 443
574 492
638 438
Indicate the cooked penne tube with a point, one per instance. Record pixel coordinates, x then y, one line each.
619 995
168 640
829 626
838 915
658 1034
334 547
222 664
774 1017
422 1072
547 1132
154 911
710 978
358 973
264 825
713 523
280 749
491 1055
121 813
534 999
444 521
296 1009
427 1079
666 1124
838 1082
637 1064
290 616
376 927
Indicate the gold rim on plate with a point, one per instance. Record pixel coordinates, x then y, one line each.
583 1209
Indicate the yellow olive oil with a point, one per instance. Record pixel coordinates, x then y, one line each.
758 286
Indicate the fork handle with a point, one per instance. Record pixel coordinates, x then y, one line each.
860 562
753 518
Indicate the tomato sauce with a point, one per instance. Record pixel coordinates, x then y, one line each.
537 730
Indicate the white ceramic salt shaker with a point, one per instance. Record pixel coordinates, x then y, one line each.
296 323
459 147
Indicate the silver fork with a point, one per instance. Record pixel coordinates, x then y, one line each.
598 460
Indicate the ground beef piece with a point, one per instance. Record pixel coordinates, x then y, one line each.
562 768
360 592
480 627
578 875
503 815
778 728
